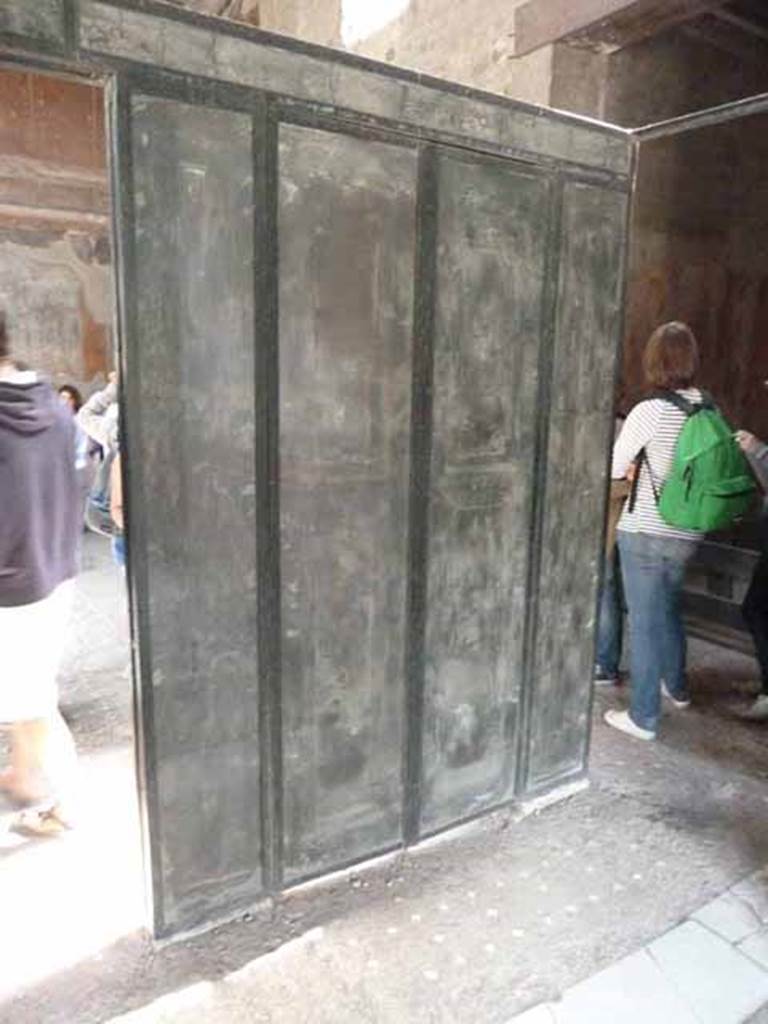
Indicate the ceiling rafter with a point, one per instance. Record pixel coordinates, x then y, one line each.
606 23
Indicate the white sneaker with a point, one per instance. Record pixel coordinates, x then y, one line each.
678 703
758 712
621 720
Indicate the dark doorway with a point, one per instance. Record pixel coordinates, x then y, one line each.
699 253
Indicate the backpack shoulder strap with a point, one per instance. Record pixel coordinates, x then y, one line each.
640 461
707 402
685 405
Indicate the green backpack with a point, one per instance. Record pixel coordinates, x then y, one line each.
711 484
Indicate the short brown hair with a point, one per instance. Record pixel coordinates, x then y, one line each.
671 357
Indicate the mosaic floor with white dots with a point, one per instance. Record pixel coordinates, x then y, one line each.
510 915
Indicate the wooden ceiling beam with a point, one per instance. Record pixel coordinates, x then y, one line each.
538 23
541 22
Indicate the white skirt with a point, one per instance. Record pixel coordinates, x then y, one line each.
32 642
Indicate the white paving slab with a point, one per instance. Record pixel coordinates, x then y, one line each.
718 983
542 1014
730 917
756 947
632 991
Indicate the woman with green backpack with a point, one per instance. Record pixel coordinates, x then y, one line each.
689 477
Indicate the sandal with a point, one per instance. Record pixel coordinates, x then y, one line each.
48 823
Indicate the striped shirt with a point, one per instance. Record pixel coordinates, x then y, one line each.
655 425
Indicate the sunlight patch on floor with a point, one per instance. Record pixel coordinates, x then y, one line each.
63 900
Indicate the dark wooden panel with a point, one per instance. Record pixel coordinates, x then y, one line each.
41 20
346 235
491 253
586 342
193 358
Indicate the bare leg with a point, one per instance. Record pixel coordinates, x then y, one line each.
22 780
43 761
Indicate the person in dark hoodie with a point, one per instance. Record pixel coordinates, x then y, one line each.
39 535
755 606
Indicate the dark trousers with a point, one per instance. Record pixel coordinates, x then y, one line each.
611 617
755 612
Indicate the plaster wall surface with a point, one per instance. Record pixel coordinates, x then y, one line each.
579 80
317 21
469 43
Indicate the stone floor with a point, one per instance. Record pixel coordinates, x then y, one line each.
711 969
513 913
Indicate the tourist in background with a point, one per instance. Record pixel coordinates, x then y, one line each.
100 419
654 555
71 398
610 626
755 606
40 527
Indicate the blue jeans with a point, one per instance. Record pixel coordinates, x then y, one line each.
118 550
611 621
653 570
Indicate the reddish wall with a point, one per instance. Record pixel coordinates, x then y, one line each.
55 278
